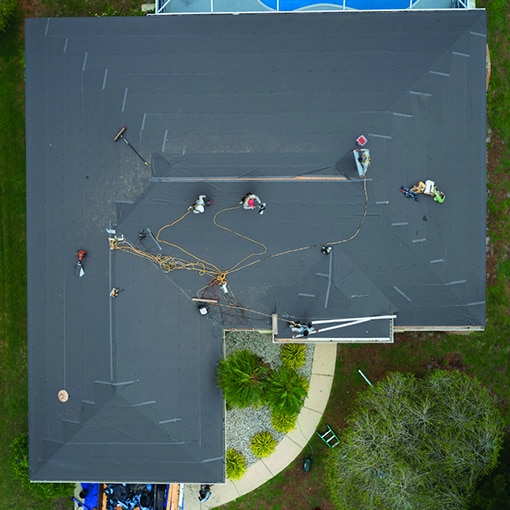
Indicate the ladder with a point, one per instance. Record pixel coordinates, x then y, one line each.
329 437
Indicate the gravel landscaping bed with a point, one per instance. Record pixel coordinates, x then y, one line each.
242 424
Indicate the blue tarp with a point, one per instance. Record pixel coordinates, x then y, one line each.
91 500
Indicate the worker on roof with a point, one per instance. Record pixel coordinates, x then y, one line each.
362 160
201 203
429 188
299 329
252 201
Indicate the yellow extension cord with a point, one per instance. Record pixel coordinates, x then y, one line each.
218 277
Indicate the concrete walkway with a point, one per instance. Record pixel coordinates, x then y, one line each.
323 370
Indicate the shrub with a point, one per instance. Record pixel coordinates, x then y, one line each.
236 464
109 10
19 464
283 422
19 460
293 355
263 444
7 11
285 391
241 376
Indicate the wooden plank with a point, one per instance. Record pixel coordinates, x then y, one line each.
102 496
316 178
173 497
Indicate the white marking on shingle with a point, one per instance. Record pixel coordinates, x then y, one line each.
149 402
439 73
105 76
417 93
375 135
405 296
124 100
165 136
85 57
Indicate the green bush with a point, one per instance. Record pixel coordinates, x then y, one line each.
19 464
293 355
7 10
241 376
283 422
285 391
19 459
236 464
263 444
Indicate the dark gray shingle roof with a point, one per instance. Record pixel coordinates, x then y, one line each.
247 97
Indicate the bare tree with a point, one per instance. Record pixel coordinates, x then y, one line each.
416 443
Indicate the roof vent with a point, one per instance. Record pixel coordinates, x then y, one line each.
63 396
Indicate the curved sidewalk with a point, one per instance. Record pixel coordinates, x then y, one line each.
321 380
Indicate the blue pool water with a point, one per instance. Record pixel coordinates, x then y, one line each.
361 5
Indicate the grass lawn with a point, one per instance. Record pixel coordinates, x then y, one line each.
484 354
13 321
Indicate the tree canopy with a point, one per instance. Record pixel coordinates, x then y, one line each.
7 12
416 443
493 491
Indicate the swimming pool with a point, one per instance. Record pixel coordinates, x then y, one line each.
361 5
194 6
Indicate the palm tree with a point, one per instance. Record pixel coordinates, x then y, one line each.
241 376
285 391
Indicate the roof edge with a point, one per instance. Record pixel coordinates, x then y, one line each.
446 329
